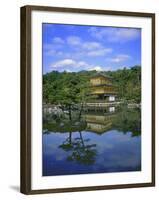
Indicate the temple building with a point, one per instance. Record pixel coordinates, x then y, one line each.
102 88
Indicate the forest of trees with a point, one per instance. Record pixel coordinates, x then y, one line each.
66 88
128 83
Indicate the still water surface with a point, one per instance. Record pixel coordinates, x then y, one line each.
101 142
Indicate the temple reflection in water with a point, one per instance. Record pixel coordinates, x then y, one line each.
105 140
100 122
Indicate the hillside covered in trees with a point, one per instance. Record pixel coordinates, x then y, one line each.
68 88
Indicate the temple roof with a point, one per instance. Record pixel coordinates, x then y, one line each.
101 75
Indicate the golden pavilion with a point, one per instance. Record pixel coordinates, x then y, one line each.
102 88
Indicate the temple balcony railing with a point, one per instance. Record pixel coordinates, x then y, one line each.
106 93
98 101
100 84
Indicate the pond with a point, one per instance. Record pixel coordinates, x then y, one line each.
101 142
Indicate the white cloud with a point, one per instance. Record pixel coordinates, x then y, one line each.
89 48
119 58
91 45
87 45
75 47
64 63
97 68
58 40
74 40
50 52
52 47
82 64
100 52
115 34
71 65
59 53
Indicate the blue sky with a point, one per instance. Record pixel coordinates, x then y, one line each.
74 48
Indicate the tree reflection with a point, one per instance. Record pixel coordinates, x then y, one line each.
128 121
80 150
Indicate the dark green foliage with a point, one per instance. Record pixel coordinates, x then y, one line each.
64 88
128 120
128 83
68 89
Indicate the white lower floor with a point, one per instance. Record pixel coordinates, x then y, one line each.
112 98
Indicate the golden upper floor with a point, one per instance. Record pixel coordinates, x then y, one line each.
103 90
100 80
